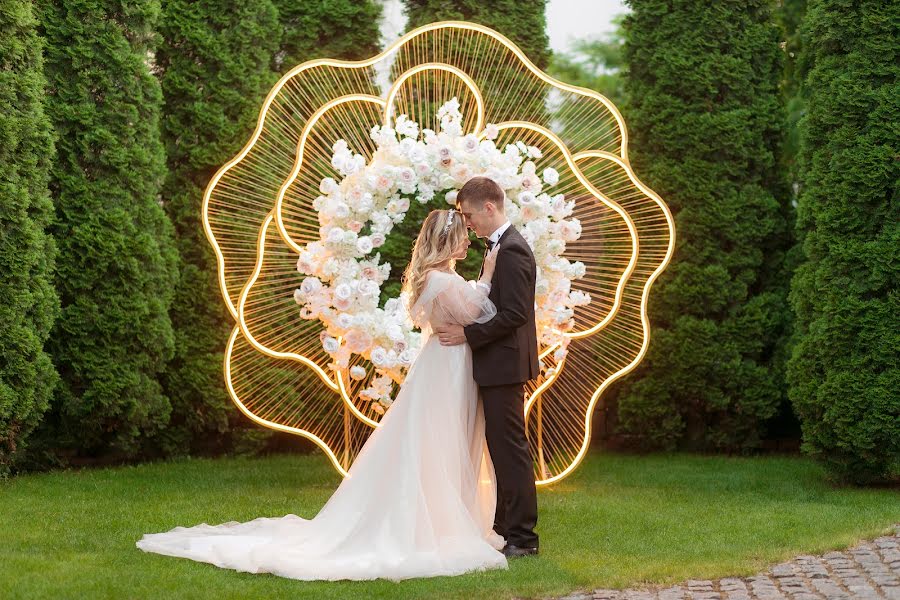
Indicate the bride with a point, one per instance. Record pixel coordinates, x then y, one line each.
419 499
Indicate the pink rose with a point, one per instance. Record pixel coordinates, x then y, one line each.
342 303
354 226
358 341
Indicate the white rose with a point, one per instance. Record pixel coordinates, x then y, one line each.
298 296
379 356
417 153
341 210
555 246
330 345
368 288
406 357
365 203
345 320
450 197
310 285
577 270
357 163
407 175
357 373
343 291
335 235
551 176
339 146
579 298
364 244
395 332
526 198
491 131
328 186
349 237
377 240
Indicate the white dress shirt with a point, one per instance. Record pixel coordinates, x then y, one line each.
494 238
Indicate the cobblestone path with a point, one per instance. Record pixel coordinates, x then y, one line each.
869 570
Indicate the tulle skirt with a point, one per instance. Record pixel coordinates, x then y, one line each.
418 501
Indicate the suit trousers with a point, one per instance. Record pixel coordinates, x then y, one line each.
516 514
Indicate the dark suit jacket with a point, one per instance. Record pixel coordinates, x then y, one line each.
504 350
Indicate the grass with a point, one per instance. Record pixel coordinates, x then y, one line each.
619 521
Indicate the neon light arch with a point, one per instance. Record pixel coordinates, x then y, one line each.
629 242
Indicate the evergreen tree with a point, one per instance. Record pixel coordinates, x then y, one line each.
28 302
345 29
705 126
216 67
116 264
523 22
844 373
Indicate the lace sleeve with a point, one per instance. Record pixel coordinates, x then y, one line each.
462 303
448 298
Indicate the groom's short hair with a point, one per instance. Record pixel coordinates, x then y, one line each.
479 190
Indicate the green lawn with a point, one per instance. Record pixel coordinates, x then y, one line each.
619 521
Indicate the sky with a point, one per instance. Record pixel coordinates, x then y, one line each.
572 19
566 20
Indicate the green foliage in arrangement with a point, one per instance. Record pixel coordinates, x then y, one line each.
117 263
216 67
844 373
706 122
28 302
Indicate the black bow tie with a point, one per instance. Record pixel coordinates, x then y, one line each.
488 243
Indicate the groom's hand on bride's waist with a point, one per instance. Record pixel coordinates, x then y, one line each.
451 335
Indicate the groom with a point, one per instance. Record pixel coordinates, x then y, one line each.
504 357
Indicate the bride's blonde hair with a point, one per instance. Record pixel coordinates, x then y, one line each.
434 248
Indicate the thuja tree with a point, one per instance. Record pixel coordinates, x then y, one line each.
28 302
216 67
117 263
844 373
705 127
523 21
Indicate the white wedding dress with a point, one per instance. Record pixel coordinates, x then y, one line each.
419 499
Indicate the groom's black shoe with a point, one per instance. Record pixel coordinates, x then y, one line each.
511 551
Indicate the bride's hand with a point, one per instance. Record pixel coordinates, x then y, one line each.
490 262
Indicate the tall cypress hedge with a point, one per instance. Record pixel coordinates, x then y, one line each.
524 21
845 370
117 264
216 67
28 302
705 122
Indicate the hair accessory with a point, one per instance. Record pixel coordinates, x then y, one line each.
450 214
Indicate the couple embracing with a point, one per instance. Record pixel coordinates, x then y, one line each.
445 484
